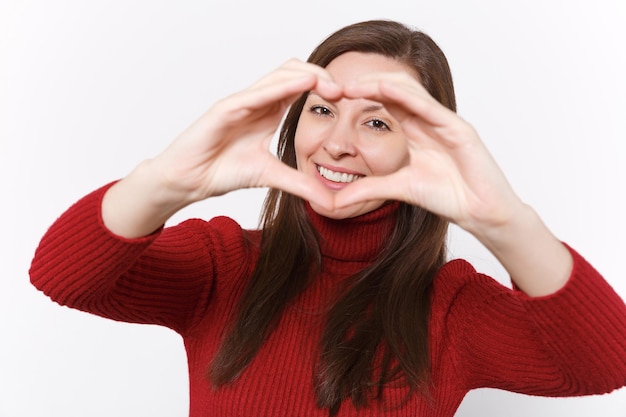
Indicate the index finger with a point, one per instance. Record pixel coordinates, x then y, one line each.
402 94
312 76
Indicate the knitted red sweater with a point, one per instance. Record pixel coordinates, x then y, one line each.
188 278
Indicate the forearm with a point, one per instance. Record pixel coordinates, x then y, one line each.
538 263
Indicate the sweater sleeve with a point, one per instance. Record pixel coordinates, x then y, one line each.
570 343
166 278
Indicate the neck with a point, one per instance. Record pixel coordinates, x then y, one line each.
357 239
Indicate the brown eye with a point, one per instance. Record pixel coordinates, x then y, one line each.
320 110
377 124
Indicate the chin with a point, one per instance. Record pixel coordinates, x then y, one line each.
348 212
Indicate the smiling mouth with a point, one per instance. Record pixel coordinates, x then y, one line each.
340 177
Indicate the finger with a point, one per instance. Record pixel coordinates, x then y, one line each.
274 99
402 93
316 78
281 176
295 65
422 117
282 90
373 189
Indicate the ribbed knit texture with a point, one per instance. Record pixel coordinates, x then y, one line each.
189 277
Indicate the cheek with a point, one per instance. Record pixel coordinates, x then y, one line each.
387 157
306 143
301 149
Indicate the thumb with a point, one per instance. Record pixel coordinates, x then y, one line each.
283 177
374 188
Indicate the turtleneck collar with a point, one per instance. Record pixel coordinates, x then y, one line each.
357 239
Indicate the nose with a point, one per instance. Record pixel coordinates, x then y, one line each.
340 142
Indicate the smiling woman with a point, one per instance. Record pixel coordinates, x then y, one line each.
343 302
350 139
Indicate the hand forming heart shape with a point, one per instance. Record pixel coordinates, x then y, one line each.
450 172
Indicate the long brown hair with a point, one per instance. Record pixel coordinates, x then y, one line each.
389 300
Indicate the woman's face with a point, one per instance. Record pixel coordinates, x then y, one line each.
339 142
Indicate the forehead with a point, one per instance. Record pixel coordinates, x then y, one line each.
351 65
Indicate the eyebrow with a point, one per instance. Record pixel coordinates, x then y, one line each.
369 109
373 108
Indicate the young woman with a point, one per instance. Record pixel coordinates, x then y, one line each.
343 302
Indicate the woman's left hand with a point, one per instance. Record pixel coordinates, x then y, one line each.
450 173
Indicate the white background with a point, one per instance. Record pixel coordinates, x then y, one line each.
89 89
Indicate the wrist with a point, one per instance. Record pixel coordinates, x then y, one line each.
140 203
156 187
517 220
535 259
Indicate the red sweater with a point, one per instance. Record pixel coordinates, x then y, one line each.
188 277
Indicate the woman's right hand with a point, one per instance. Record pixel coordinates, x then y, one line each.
226 149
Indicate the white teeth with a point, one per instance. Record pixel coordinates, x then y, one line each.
337 176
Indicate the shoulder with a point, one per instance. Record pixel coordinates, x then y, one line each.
221 233
229 245
459 276
459 288
220 230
